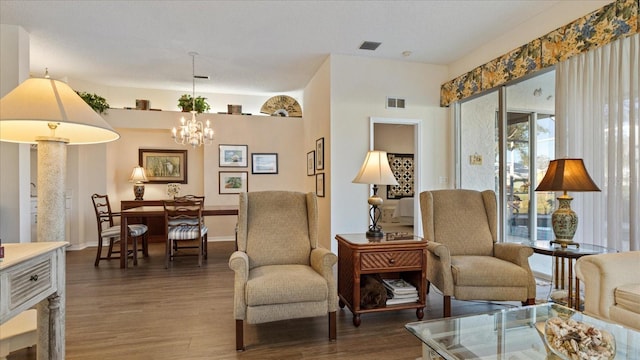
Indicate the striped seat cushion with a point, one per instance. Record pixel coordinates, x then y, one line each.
134 230
137 229
185 232
175 222
113 231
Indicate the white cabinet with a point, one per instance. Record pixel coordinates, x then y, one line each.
30 274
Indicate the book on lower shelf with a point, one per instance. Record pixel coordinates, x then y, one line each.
395 301
399 286
399 291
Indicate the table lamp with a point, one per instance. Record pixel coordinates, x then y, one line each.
138 176
375 171
50 113
566 175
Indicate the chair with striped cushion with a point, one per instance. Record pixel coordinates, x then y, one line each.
176 244
109 230
184 221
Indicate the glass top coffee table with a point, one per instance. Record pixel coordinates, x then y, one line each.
508 334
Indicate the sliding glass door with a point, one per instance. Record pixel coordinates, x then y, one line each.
508 151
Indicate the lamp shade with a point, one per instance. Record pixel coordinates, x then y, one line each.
567 175
376 170
27 111
138 175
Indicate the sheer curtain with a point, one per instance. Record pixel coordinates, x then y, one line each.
597 120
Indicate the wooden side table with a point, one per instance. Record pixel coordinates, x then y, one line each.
358 255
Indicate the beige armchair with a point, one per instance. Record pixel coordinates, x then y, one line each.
280 273
612 286
464 259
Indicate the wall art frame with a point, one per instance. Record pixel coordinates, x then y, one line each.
163 166
233 182
264 163
320 154
311 163
233 155
320 184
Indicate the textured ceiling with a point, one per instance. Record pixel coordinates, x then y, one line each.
247 47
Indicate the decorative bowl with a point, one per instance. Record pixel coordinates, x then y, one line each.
572 339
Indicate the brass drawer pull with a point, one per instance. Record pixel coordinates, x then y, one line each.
392 261
34 277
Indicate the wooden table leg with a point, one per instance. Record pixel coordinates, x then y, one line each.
124 236
356 320
577 301
570 281
556 272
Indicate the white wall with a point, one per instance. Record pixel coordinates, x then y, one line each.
359 87
317 97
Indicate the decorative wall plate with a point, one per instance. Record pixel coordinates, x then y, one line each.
282 105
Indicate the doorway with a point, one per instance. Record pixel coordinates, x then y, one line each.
401 139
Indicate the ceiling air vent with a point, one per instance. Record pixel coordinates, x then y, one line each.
395 103
369 45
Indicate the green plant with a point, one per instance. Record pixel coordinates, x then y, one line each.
185 102
97 103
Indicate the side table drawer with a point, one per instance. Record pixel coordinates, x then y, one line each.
391 260
29 282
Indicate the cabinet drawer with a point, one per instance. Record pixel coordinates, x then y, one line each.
29 282
391 260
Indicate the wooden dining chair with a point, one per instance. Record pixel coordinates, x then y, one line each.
108 230
176 244
184 222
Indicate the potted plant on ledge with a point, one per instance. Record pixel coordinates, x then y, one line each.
185 102
97 103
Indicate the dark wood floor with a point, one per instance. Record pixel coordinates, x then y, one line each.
185 312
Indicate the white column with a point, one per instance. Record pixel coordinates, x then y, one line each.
52 165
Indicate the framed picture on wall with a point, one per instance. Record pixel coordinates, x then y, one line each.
164 166
262 163
233 182
320 154
320 184
311 163
233 155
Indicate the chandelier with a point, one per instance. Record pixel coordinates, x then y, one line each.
193 132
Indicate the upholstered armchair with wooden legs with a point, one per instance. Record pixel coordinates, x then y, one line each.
280 272
464 259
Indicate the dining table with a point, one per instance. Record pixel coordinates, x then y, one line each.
145 212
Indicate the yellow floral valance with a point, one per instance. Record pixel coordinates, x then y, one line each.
616 20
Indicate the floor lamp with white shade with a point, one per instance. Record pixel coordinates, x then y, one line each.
49 113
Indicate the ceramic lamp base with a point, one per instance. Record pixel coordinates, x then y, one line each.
138 191
564 222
